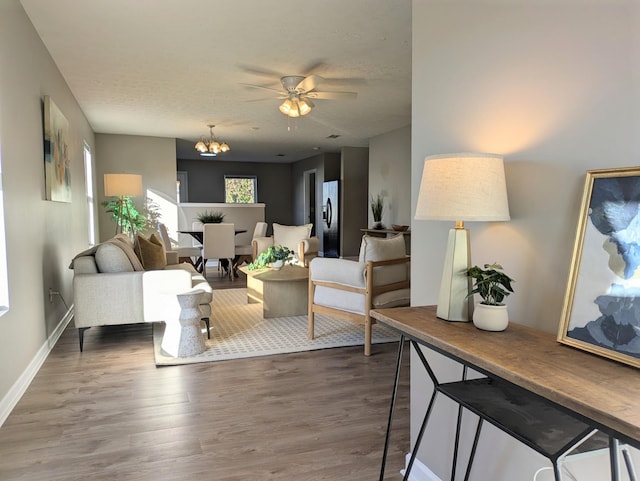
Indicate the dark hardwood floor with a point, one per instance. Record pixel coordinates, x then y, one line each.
110 414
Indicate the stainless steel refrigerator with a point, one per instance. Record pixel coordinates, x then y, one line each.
331 218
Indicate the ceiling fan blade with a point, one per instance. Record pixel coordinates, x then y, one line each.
309 83
279 91
331 95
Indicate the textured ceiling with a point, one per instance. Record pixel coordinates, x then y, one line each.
167 68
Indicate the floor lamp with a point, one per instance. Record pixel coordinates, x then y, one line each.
461 187
121 186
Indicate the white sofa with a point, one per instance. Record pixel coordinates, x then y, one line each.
296 237
111 285
349 289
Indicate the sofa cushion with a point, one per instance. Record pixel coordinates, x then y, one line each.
151 252
290 235
124 242
110 257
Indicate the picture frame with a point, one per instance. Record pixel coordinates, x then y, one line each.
601 311
57 162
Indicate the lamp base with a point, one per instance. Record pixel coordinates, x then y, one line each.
453 303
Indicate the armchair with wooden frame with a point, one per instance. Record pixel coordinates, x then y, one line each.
349 289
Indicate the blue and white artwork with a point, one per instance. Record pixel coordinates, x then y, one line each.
605 310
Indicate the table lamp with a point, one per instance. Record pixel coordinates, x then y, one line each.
461 187
121 186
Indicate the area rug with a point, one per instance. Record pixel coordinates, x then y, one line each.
239 331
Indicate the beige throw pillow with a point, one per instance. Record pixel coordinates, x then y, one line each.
151 252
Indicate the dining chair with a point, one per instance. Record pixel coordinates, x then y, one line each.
185 253
219 243
244 253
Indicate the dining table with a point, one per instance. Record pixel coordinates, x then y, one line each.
198 235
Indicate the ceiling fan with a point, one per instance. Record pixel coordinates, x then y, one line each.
299 91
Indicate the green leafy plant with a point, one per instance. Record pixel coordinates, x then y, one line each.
142 221
272 254
490 283
377 204
210 217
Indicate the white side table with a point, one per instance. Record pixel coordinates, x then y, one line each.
182 336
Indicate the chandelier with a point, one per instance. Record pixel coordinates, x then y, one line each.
296 105
212 147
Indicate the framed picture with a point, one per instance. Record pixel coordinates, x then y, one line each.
601 312
57 165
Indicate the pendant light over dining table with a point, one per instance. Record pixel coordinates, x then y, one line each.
211 147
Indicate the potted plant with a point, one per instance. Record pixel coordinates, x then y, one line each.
493 285
377 204
131 220
210 217
274 257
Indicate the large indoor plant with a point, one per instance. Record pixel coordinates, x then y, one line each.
492 285
144 220
274 256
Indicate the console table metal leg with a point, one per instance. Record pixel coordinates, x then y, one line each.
394 396
414 451
627 460
458 425
473 449
613 454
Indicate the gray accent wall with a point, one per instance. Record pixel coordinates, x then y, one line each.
206 184
553 86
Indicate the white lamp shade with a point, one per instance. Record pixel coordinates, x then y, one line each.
463 187
122 184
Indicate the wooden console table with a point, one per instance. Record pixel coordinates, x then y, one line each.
599 392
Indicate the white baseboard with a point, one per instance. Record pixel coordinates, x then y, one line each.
419 471
20 386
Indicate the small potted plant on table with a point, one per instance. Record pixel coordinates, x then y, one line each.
210 217
274 257
493 286
377 205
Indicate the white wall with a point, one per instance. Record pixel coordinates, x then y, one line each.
42 236
554 87
152 157
390 174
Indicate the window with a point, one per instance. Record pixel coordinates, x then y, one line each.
88 180
240 189
4 278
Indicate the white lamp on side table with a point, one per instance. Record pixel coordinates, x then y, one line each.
461 187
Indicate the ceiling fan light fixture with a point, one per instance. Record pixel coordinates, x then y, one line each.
212 147
305 106
285 107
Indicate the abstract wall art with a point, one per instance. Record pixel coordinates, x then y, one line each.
57 164
601 312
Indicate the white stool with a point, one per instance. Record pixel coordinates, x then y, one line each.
182 336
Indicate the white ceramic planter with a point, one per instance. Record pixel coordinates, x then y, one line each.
277 265
490 318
